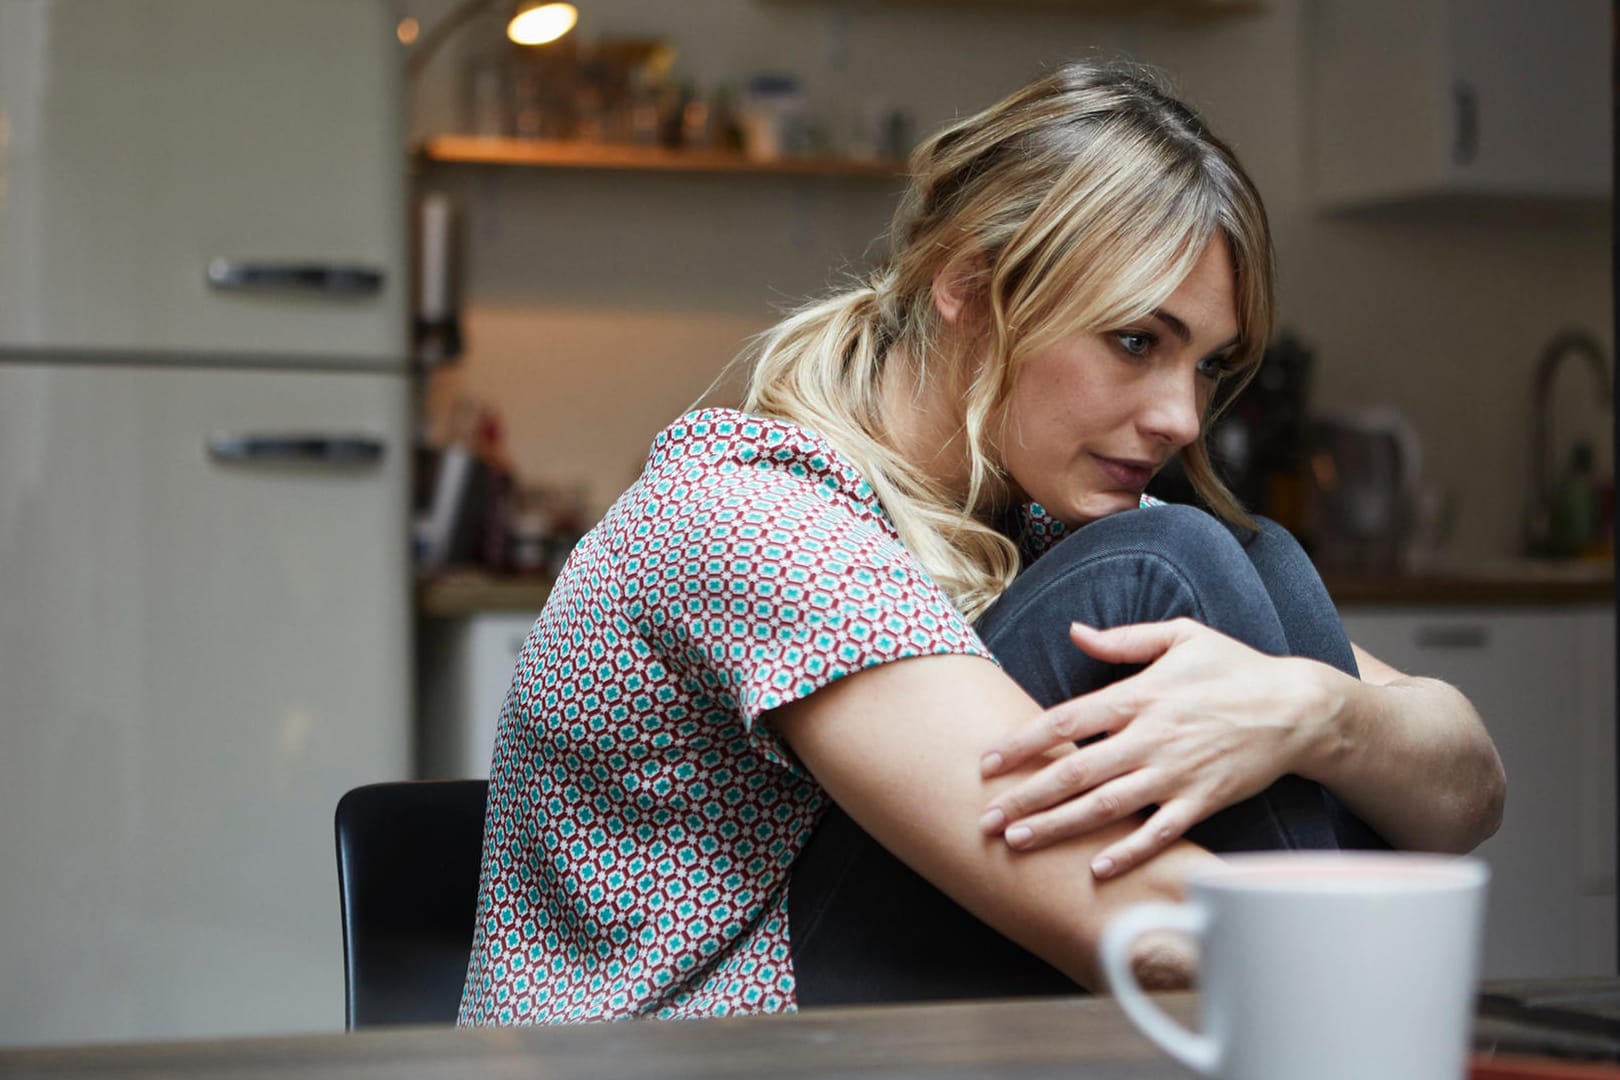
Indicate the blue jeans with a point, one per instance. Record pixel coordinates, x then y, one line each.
866 928
1258 587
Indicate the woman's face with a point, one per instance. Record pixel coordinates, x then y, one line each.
1092 418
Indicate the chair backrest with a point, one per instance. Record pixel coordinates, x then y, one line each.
408 859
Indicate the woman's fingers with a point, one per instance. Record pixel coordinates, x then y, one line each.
1097 713
1118 798
1070 776
1167 825
1137 643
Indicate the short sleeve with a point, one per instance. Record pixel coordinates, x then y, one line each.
783 578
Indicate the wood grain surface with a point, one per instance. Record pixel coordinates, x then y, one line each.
1029 1040
1033 1039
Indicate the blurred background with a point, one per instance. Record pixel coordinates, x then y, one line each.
1412 284
326 328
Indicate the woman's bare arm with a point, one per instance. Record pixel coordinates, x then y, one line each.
898 747
1210 722
1410 757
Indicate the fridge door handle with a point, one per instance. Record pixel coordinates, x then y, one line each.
328 279
342 450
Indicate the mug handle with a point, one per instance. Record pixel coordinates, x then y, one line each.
1197 1051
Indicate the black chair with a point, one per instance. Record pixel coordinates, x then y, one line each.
408 859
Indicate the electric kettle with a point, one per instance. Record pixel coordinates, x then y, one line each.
1365 474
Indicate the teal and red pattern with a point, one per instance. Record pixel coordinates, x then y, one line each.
641 822
1036 530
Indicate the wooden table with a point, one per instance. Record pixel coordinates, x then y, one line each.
1064 1037
1042 1039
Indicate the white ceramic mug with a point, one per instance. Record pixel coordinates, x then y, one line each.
1332 966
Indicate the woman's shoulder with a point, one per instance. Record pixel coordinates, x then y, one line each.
726 447
716 432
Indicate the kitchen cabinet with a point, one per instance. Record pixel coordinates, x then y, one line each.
1543 679
465 672
1412 101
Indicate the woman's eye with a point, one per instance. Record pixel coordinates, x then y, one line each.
1135 342
1215 366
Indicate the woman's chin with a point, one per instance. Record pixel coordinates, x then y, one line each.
1093 507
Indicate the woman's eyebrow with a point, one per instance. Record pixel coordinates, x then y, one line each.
1179 328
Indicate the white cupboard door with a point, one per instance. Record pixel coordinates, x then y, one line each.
197 658
1543 681
1529 97
140 142
465 669
1413 101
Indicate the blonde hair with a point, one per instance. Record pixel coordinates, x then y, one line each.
1076 205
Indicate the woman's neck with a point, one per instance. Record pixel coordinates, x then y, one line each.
922 422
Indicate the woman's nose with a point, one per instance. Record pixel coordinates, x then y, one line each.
1174 411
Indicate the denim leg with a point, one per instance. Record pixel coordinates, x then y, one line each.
1163 563
1307 614
1313 629
866 928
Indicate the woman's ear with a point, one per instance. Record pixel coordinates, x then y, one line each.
953 286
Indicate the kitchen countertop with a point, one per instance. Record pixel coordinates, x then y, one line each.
1507 583
474 592
1496 583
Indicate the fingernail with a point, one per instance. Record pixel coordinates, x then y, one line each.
1102 866
993 820
1019 835
990 764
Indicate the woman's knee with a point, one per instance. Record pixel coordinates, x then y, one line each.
1138 566
1307 611
1189 541
1190 528
1270 540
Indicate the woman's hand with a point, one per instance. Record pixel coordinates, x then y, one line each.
1208 723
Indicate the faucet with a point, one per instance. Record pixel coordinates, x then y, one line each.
1538 527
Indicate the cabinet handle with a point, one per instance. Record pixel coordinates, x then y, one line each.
330 279
341 450
1453 636
1466 105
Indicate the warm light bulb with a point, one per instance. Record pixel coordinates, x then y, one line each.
541 23
407 30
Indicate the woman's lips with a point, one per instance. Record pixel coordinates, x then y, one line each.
1124 475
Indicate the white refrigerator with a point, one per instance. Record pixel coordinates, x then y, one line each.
204 460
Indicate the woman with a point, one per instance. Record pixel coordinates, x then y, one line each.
865 611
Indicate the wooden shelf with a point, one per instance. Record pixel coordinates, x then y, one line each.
1180 9
559 154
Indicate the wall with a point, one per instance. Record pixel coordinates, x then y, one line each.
1443 316
599 305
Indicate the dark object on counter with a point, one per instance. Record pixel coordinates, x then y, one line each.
1570 1019
453 489
1258 444
1365 467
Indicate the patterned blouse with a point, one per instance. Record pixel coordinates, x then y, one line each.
642 824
